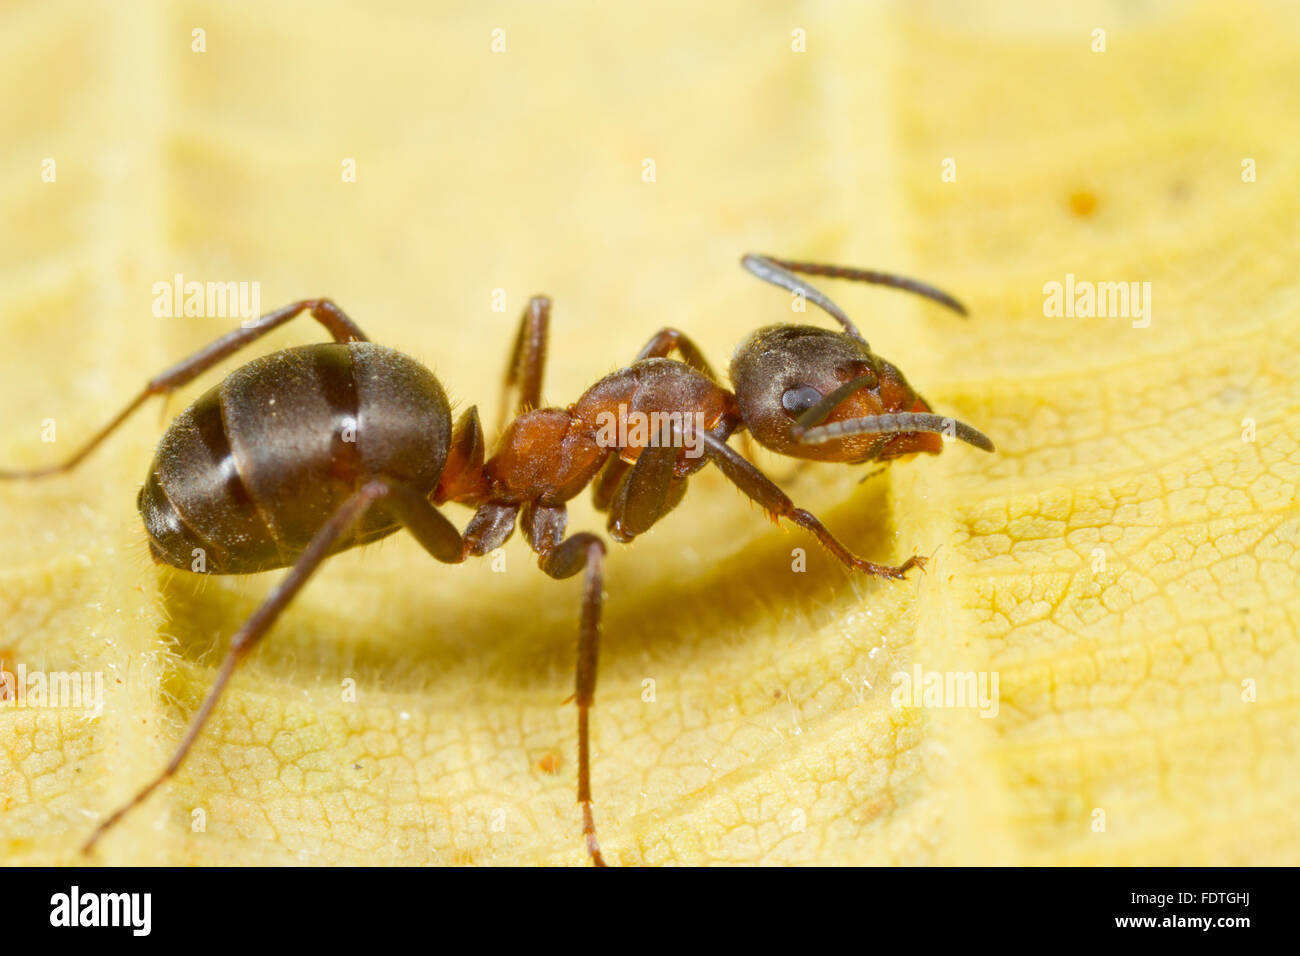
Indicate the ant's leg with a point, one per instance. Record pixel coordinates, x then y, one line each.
490 528
777 503
661 345
527 359
605 486
429 526
666 340
647 492
562 557
438 535
324 311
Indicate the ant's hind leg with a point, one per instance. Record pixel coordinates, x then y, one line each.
527 359
776 502
562 557
253 630
435 533
323 311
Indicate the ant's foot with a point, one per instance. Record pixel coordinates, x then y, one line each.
885 571
589 835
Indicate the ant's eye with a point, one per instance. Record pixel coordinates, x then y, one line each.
798 400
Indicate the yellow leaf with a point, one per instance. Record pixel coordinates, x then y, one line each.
1126 564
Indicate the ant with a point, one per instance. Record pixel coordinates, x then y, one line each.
309 451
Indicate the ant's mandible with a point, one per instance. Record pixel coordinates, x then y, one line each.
309 451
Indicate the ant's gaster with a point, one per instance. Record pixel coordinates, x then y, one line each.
310 451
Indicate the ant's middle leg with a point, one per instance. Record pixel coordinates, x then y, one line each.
745 476
323 311
562 557
429 526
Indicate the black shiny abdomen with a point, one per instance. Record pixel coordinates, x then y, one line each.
249 472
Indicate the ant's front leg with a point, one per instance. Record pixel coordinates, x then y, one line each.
607 482
612 477
667 340
646 492
661 345
776 502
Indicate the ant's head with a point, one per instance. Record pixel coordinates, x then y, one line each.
784 372
813 393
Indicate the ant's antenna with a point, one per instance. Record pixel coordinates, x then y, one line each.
893 425
875 278
770 270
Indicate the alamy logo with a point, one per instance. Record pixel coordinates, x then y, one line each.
1103 300
957 689
626 429
65 690
208 300
103 909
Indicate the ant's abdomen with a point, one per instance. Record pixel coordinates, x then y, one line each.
245 476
